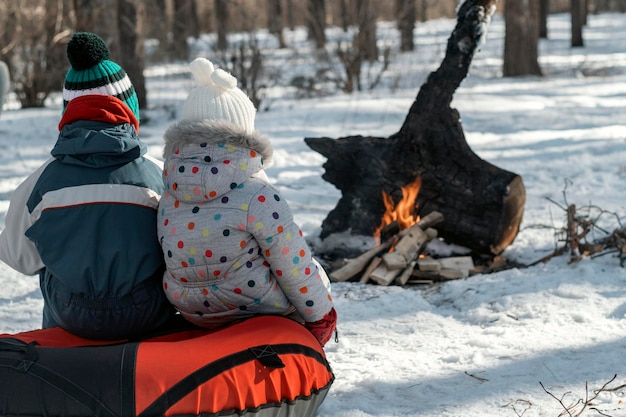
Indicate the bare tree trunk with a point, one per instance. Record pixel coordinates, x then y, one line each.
132 50
221 23
577 23
317 22
366 38
407 14
184 26
157 22
275 21
521 40
194 24
99 17
291 23
544 8
345 15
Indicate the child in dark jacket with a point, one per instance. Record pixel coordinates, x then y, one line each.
85 221
231 246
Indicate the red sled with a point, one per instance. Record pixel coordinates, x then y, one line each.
266 366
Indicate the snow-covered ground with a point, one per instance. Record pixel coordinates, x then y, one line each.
483 346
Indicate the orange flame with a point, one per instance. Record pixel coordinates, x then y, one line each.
404 211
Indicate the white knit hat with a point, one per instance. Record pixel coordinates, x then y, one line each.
216 97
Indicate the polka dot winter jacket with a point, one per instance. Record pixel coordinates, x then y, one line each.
231 247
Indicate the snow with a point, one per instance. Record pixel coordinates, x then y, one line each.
486 345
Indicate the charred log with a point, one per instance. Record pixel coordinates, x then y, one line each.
482 204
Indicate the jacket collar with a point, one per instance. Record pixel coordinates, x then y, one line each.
98 108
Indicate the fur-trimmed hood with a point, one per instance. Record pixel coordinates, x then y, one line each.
205 160
212 132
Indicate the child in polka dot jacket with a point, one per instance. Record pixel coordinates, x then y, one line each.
231 246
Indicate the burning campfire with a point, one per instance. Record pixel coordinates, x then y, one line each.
400 259
401 239
403 214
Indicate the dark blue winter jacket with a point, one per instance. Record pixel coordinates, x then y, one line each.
87 217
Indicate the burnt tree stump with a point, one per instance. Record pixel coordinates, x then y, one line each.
482 204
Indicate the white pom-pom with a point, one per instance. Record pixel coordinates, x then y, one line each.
223 79
202 68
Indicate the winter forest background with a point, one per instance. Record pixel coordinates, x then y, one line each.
544 339
347 55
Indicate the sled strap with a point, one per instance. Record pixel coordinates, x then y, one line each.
127 396
15 345
264 353
27 349
267 356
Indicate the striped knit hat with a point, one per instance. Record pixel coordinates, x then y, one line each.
93 73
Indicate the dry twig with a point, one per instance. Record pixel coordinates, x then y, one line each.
580 223
481 379
525 405
577 408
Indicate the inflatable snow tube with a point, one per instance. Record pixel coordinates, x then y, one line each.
265 366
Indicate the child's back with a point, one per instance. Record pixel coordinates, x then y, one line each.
231 246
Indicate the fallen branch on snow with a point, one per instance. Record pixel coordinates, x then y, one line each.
577 408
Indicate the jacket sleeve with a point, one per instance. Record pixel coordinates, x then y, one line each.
16 250
288 255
